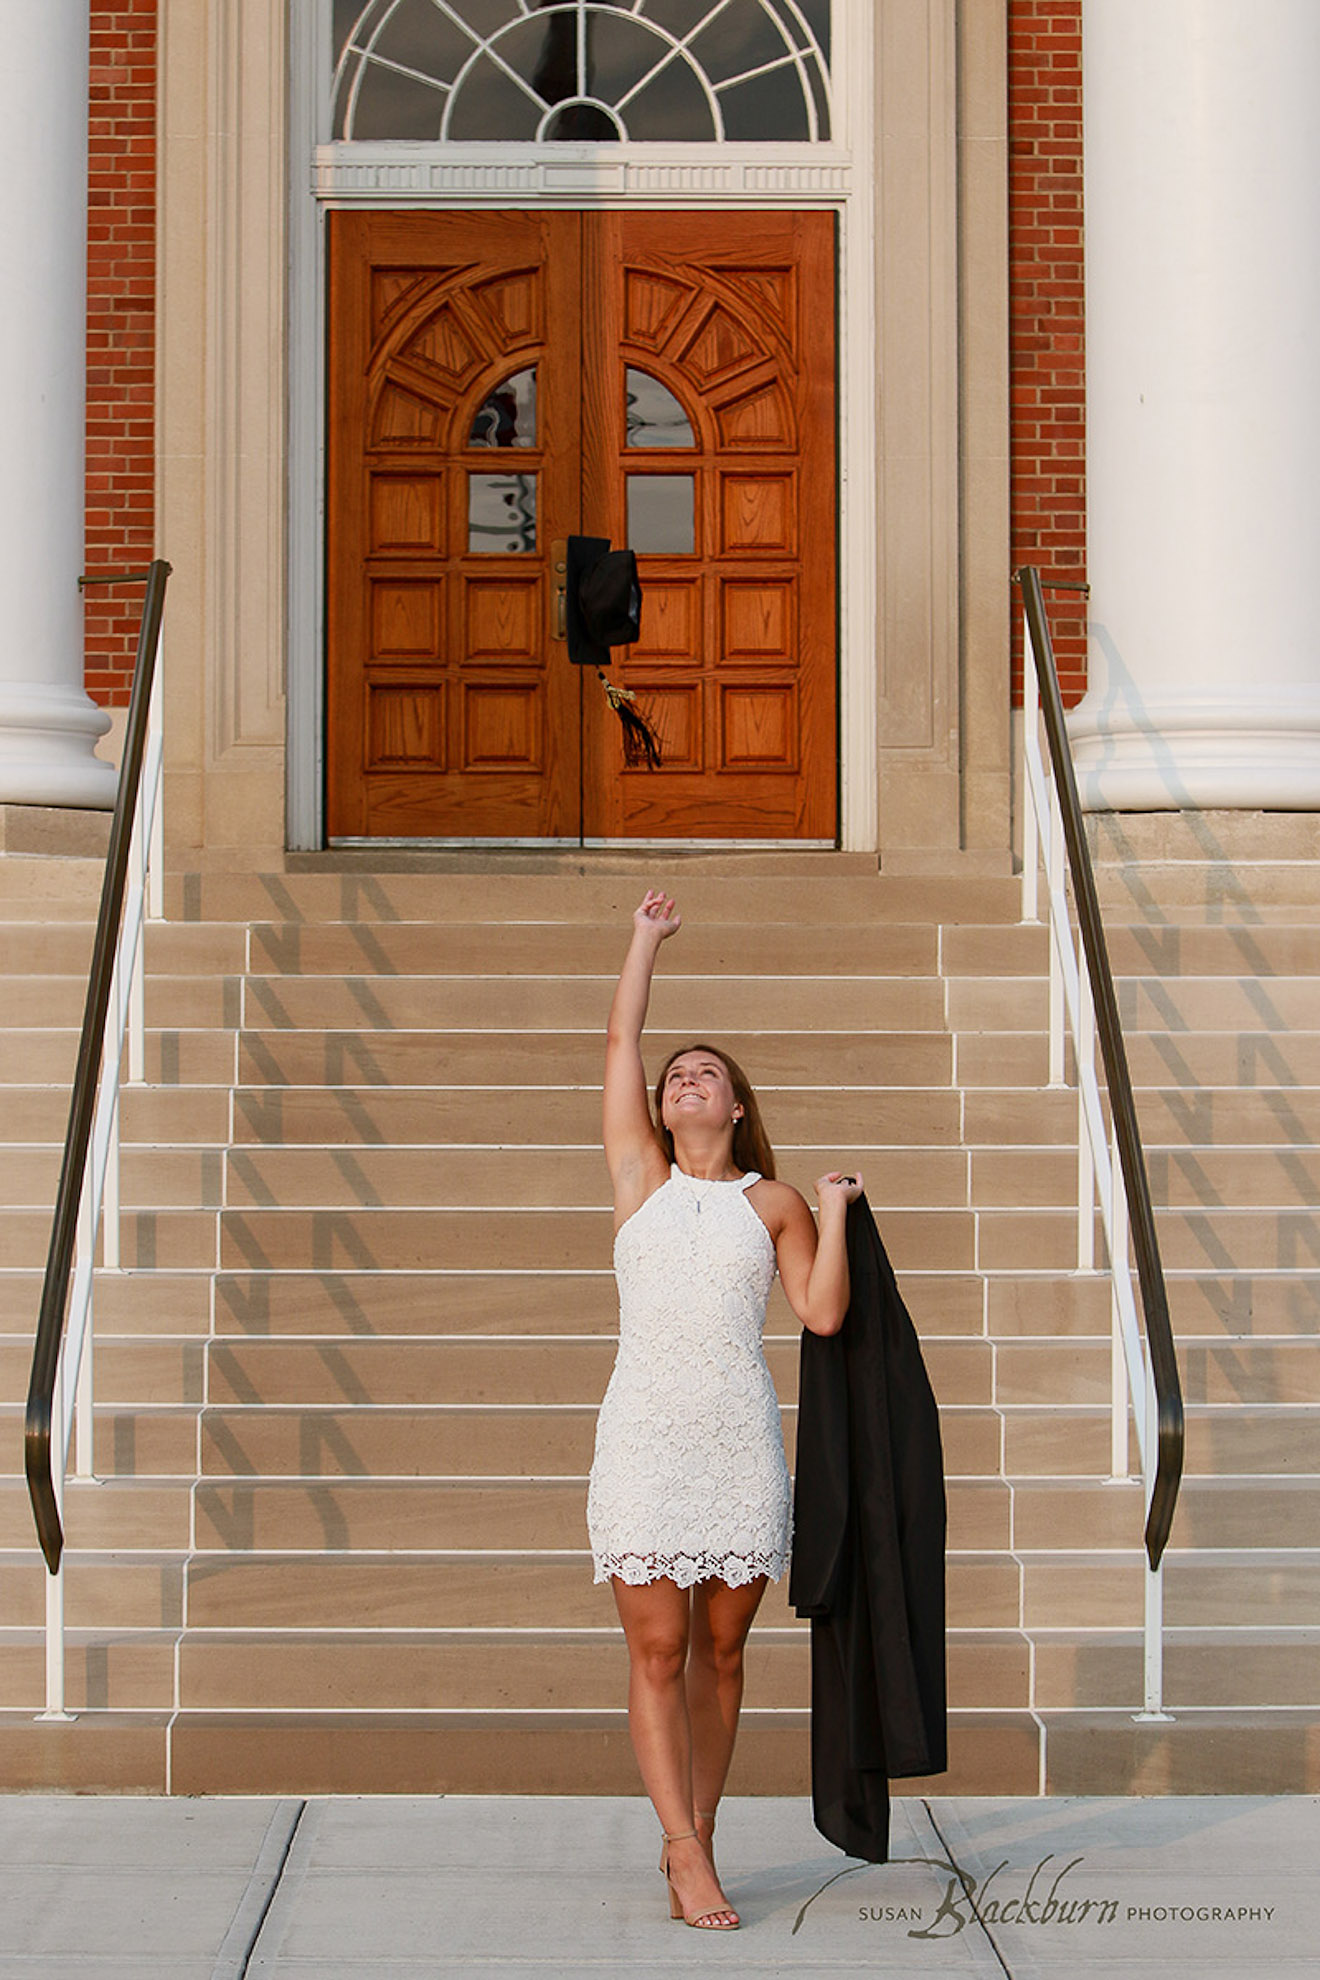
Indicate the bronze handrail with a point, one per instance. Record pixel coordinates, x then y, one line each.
1141 1216
82 1104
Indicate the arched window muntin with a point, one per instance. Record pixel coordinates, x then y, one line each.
802 53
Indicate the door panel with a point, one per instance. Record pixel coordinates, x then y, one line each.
736 665
453 438
500 380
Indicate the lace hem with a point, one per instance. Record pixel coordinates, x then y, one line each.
685 1570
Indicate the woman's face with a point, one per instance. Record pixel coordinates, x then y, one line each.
698 1089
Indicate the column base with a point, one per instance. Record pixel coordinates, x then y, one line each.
1198 755
47 739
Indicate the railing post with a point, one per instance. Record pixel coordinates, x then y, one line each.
1118 1375
1032 825
137 1003
1054 877
1153 1659
1085 1153
110 1086
55 1595
85 1391
156 748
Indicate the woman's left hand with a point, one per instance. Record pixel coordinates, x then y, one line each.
836 1187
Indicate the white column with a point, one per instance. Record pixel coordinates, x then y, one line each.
48 726
1202 160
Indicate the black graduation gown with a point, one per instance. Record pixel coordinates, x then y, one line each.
868 1553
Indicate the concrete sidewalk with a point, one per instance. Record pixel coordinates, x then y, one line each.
342 1889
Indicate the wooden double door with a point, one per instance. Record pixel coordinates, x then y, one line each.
500 381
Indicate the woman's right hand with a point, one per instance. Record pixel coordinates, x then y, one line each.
657 915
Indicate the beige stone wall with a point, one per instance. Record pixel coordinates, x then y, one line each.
941 650
221 471
942 360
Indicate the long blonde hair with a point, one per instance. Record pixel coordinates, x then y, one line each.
751 1143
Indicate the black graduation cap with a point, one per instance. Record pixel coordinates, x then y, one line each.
603 599
603 608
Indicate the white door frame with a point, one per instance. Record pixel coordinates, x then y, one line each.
692 177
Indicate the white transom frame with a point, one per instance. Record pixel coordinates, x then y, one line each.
673 178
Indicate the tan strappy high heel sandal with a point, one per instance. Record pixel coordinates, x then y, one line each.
705 1921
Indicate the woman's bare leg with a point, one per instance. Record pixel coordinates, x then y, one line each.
655 1620
721 1618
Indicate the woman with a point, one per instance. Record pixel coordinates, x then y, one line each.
688 1505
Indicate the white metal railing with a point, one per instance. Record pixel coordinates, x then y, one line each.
1100 1174
95 1186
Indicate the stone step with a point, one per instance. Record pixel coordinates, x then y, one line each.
1221 1588
408 1372
417 1116
1073 1514
820 888
1234 1306
173 1239
238 1515
200 1002
1256 1371
570 1005
377 946
487 1671
530 1059
1223 1441
533 1301
144 1370
435 1590
1236 838
105 1670
1218 891
140 1515
173 948
176 1177
104 1591
1260 1116
487 1753
178 1115
1147 1004
991 1753
451 1441
147 1302
530 1179
1203 1668
47 1056
1143 950
1212 1238
524 1670
1224 1177
466 1240
44 890
376 949
156 1442
1237 1306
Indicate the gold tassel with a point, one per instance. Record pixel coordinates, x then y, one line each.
640 742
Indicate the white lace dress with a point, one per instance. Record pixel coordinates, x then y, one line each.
689 1478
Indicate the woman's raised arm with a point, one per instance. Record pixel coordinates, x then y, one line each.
633 1154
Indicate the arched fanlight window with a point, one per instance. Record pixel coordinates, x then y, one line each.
653 417
506 416
583 71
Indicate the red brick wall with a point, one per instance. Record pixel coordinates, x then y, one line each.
121 297
1046 342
